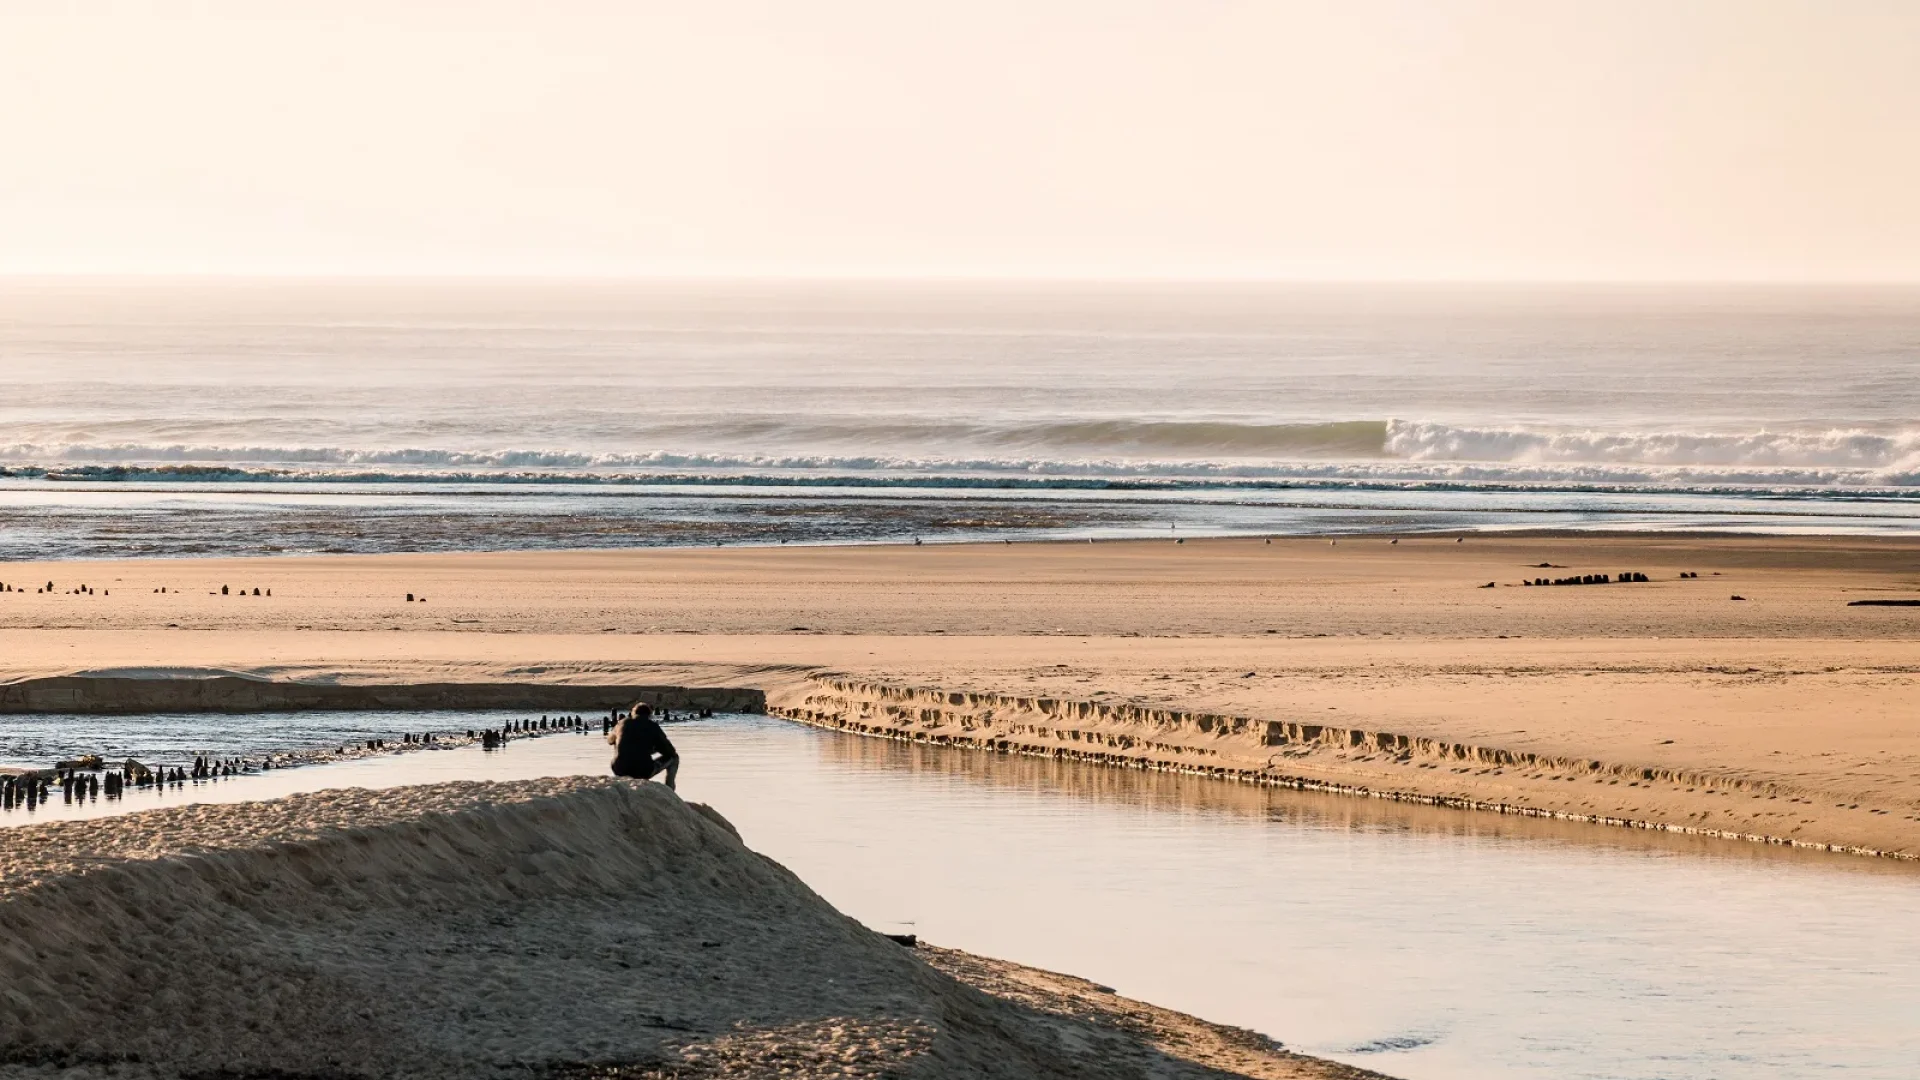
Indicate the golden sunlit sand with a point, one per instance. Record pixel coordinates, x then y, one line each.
1786 715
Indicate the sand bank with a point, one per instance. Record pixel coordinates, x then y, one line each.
190 690
1786 714
1311 756
555 928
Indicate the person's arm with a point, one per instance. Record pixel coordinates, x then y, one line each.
658 743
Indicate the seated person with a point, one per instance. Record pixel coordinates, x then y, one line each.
636 741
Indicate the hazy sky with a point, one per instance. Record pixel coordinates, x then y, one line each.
1505 139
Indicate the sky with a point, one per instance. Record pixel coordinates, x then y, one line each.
1507 140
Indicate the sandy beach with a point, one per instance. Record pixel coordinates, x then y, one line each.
1389 667
1395 537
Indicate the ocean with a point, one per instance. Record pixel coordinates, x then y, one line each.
159 418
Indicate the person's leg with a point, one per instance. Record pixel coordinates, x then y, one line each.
673 770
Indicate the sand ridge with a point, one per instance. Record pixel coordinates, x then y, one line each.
558 928
1314 756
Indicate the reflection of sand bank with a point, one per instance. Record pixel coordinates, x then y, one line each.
536 929
1162 790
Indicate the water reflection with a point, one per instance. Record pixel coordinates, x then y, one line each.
1320 810
1428 944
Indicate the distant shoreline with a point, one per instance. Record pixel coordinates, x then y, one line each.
112 522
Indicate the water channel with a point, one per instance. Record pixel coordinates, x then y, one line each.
1426 944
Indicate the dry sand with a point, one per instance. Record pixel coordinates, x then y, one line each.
1787 714
545 929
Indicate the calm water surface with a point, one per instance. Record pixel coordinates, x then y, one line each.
1426 944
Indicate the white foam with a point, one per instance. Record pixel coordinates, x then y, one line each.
1213 453
1833 448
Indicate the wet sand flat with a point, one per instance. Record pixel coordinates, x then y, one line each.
1787 713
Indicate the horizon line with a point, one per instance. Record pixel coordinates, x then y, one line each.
323 276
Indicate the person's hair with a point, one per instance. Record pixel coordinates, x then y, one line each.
640 711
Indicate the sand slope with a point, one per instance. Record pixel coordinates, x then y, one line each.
561 928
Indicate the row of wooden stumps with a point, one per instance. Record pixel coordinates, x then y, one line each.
89 778
78 590
662 714
491 739
1591 579
28 792
549 725
73 784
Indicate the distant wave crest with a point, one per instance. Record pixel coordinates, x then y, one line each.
1196 439
1083 454
1830 449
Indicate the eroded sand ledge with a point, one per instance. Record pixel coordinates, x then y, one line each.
1304 756
551 929
205 691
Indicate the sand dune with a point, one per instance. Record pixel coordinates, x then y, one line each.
560 928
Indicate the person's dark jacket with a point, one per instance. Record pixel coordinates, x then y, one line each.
636 740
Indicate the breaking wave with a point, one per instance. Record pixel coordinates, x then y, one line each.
1830 449
1116 438
1094 453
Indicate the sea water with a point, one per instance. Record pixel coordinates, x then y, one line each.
174 418
1427 944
